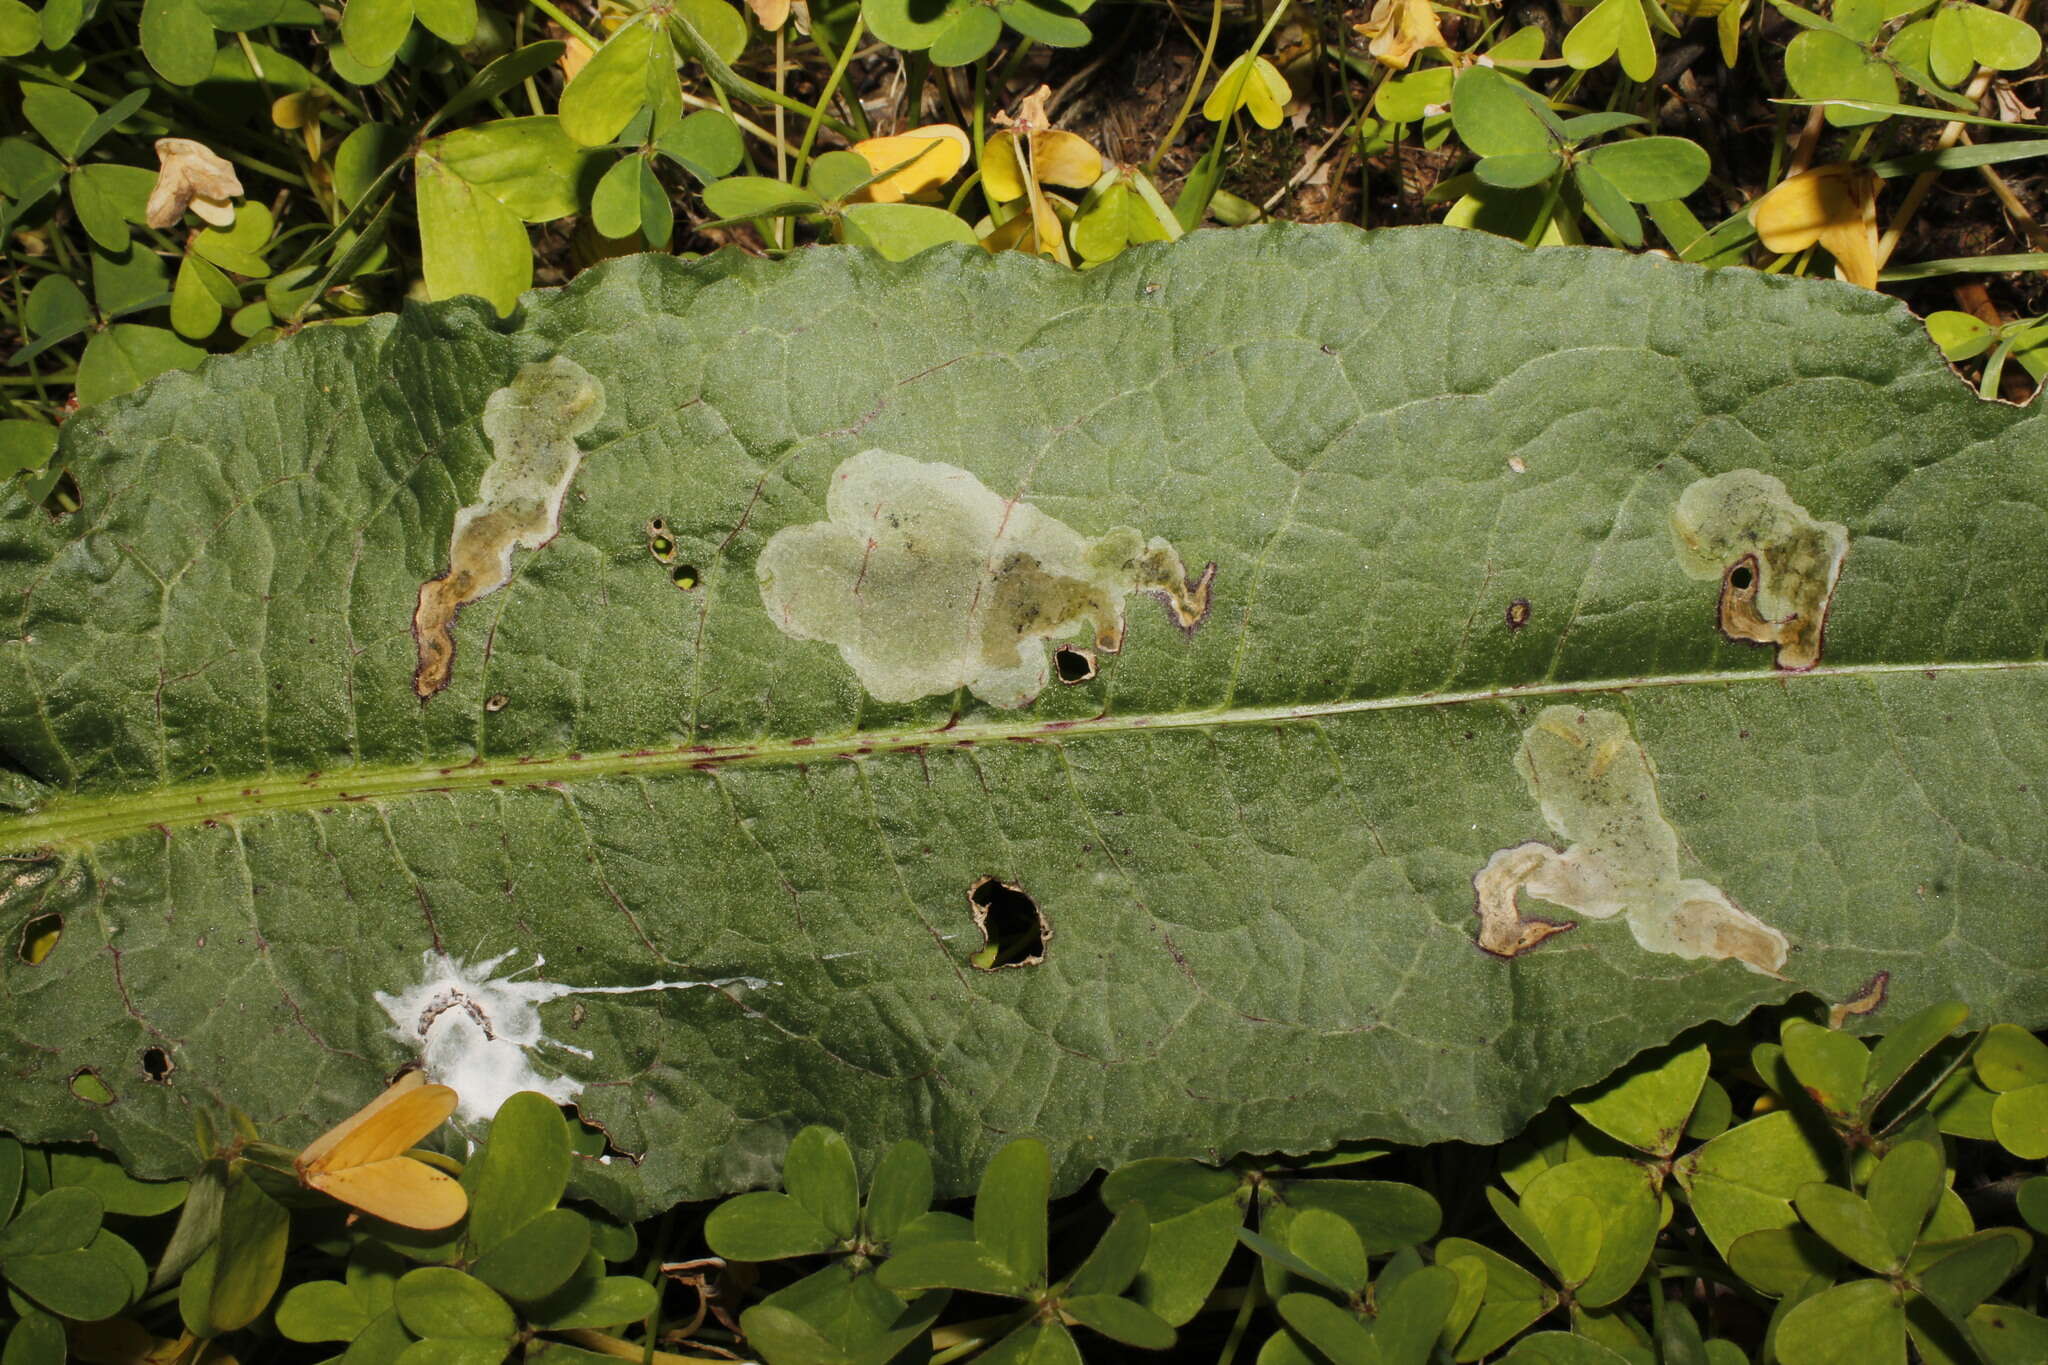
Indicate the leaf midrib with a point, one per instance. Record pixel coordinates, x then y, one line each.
71 822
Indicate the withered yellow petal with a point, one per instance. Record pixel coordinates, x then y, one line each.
935 152
398 1190
189 170
1401 28
1065 159
1002 173
397 1119
1049 235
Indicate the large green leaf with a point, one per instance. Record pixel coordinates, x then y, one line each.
1437 476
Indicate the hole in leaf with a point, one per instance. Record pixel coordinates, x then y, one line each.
39 936
1014 931
1518 613
498 702
63 498
1072 664
87 1085
685 576
1741 576
660 543
157 1065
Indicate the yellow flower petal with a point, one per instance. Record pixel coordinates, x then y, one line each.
1065 159
398 1190
1266 94
935 153
358 1160
1002 174
397 1119
1835 206
1217 107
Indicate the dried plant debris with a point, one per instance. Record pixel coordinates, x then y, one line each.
1777 565
929 582
1598 792
533 424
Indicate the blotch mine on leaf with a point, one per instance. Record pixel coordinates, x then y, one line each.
1014 931
928 582
1598 792
1776 564
533 424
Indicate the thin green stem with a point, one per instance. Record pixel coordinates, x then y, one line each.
855 114
568 25
1253 1294
722 74
1551 194
1187 103
803 151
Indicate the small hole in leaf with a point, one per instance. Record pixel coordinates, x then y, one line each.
660 543
1741 576
1518 613
39 936
87 1085
157 1065
1072 664
498 702
1014 931
685 576
63 498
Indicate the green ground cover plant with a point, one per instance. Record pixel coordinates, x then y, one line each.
1774 1191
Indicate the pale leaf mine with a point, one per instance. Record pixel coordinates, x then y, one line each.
928 582
1598 793
533 424
1777 565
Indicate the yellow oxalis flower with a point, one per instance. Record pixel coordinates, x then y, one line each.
1261 92
1028 155
1835 206
361 1161
1401 28
934 153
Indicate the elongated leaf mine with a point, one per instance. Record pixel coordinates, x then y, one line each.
928 582
1776 563
533 424
1598 792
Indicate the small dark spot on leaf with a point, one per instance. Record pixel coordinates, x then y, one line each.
1014 931
1072 664
157 1065
87 1085
1518 613
498 702
39 936
685 576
